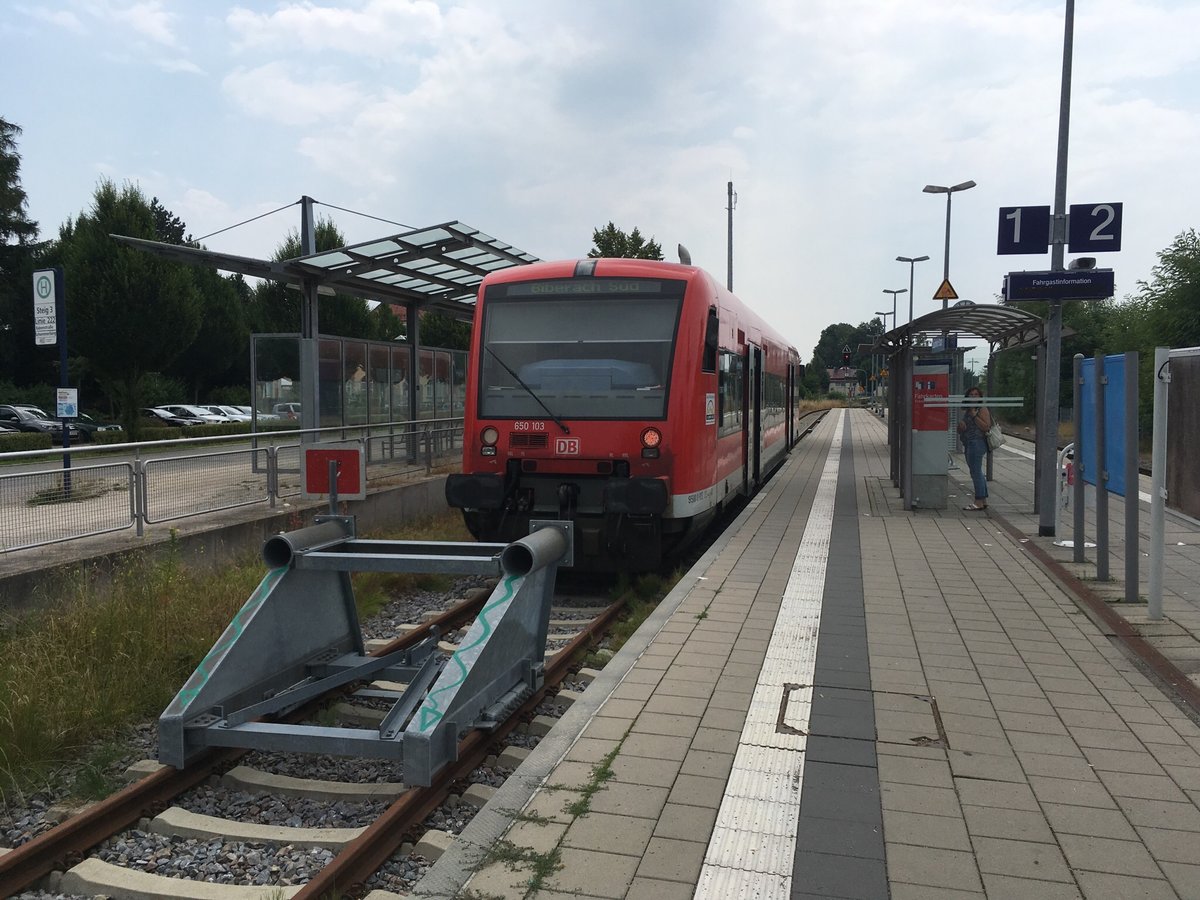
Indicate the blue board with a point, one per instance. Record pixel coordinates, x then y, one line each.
1114 423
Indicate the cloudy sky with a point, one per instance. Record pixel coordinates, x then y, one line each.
538 120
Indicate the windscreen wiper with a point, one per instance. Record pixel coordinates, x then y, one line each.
557 421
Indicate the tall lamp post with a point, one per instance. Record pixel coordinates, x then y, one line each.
883 315
911 260
948 191
894 293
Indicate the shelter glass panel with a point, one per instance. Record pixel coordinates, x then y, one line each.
441 383
425 378
329 382
354 382
458 388
400 363
277 373
378 383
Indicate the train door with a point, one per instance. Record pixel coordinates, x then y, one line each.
754 416
790 401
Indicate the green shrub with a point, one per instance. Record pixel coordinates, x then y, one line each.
25 440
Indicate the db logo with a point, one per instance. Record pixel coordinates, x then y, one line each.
566 446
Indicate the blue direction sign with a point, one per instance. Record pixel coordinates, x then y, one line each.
1023 229
1094 228
1072 284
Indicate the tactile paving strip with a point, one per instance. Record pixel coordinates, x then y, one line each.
753 844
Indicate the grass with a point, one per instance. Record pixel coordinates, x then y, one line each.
111 652
601 773
641 596
541 865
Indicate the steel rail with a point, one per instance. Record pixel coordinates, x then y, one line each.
23 866
363 856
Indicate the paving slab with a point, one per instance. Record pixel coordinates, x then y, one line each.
967 729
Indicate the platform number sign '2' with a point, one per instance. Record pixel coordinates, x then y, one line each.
1092 228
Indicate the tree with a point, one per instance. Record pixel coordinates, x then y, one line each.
827 354
1172 296
275 308
17 236
441 330
168 227
131 313
219 354
612 242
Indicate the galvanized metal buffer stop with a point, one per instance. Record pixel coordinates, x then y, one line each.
298 637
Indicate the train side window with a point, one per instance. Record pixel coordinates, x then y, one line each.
712 337
730 394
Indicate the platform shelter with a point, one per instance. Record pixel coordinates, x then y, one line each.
922 365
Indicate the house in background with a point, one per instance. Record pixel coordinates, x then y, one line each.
844 380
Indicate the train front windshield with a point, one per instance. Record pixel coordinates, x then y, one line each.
580 348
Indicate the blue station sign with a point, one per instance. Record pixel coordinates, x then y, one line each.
1091 228
1072 284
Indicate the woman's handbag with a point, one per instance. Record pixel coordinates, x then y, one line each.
995 437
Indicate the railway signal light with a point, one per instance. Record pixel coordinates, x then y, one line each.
846 355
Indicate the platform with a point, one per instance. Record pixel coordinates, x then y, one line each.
844 699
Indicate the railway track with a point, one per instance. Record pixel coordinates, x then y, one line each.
385 814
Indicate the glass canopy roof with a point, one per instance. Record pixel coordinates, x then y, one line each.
437 267
1004 327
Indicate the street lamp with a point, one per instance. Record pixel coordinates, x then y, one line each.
911 260
894 293
948 191
879 378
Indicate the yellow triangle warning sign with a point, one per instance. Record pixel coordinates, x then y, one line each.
946 291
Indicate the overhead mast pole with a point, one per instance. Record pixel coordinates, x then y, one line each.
732 205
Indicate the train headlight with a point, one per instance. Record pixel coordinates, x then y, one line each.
651 439
488 437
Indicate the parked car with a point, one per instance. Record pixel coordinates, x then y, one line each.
88 426
286 410
262 416
232 413
29 418
162 417
186 410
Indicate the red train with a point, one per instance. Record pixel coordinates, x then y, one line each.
632 397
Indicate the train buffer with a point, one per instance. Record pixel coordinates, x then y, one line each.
298 637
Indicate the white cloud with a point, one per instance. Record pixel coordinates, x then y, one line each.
148 19
537 120
380 28
273 93
61 18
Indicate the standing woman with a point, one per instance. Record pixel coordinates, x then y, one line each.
973 428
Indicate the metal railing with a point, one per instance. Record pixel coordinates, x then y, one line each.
52 496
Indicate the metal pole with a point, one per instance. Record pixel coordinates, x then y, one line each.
1158 480
1131 477
1047 440
1101 474
906 425
991 389
911 265
310 391
729 279
1077 496
946 264
1039 391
